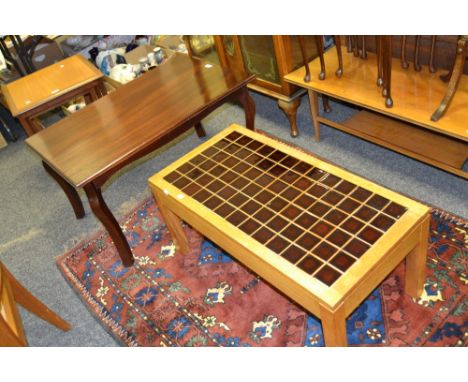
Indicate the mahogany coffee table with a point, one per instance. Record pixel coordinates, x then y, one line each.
323 236
85 149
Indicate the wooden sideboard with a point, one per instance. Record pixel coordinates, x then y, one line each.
406 127
268 57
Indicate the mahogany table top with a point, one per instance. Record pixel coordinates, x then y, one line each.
96 139
48 83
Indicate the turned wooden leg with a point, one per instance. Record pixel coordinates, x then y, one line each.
200 130
349 44
290 110
417 46
319 42
339 71
326 103
69 190
249 108
363 48
23 297
334 326
173 223
378 45
455 76
105 216
416 262
305 60
387 67
432 68
356 46
314 113
404 61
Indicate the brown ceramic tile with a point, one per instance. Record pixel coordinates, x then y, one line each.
251 190
330 180
244 140
348 205
335 216
206 165
307 241
191 189
365 213
263 235
251 207
382 222
277 170
249 226
231 149
233 136
215 186
171 177
291 212
303 183
210 151
306 220
356 247
292 232
230 162
222 143
278 156
243 153
352 225
237 218
181 182
264 215
277 186
254 145
224 210
185 168
217 170
304 201
345 187
219 157
302 167
289 177
253 173
289 162
213 202
327 275
226 192
265 150
278 244
332 197
238 199
324 250
369 234
264 197
241 168
319 209
338 237
264 180
265 164
253 159
228 176
277 223
239 183
317 190
204 179
277 204
290 193
322 228
194 174
293 254
377 201
201 195
395 210
361 194
316 173
309 264
342 261
199 159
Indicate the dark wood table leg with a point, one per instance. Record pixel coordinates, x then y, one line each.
200 130
319 42
364 48
326 103
105 216
417 46
305 60
432 68
339 71
69 190
404 61
387 66
378 47
249 108
290 109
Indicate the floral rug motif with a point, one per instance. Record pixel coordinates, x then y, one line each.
207 298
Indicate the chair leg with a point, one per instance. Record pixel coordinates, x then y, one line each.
404 61
339 71
432 68
304 58
417 46
319 42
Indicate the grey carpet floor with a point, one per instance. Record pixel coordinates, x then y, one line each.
38 223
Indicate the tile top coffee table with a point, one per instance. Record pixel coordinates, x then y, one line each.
85 149
321 235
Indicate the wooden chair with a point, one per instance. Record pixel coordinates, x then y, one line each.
12 293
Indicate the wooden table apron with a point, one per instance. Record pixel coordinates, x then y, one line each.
49 143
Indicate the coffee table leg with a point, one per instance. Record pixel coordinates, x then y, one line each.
102 212
69 190
333 326
416 263
200 130
249 108
173 223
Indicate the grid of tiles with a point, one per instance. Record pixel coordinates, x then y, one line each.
316 220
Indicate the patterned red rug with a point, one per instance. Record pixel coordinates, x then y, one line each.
208 299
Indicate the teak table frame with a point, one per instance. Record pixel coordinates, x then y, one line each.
407 238
85 149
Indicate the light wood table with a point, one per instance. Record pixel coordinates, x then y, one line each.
323 236
50 87
85 149
406 127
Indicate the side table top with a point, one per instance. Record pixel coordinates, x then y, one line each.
48 83
122 124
